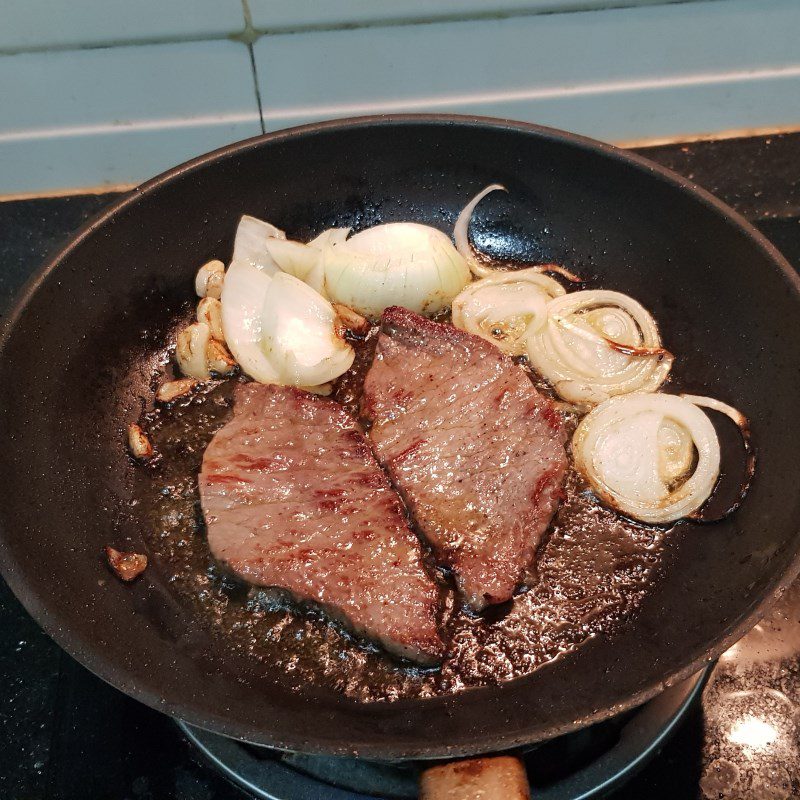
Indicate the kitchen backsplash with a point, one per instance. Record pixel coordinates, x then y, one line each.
110 92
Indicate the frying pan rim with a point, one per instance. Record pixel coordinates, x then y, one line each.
82 648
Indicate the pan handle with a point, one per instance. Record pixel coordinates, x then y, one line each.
497 778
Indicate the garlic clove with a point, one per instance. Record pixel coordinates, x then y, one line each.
209 279
172 390
219 359
190 351
209 311
350 320
126 566
138 442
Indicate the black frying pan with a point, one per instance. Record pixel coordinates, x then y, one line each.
75 363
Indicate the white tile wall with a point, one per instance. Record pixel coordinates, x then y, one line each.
88 117
69 23
111 157
615 74
276 14
644 69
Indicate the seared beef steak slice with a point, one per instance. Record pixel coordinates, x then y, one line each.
293 498
475 450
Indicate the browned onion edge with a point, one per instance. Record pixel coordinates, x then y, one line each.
743 423
632 350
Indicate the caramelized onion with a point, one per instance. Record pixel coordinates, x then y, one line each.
557 269
597 344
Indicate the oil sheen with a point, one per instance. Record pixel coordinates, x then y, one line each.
591 571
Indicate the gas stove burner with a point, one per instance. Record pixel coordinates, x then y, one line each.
578 766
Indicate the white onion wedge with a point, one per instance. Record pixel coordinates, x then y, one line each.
243 295
243 292
250 244
503 307
330 236
299 334
637 451
400 263
304 261
597 344
278 329
295 344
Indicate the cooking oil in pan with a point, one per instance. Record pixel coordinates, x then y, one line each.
591 571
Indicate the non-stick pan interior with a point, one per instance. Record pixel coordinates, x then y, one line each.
78 358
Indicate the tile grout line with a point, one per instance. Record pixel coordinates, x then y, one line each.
467 16
249 36
256 87
109 44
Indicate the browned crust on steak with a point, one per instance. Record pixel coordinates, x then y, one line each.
294 499
476 452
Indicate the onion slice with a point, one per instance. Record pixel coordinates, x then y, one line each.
480 264
399 263
653 457
743 424
278 329
557 269
597 344
461 233
503 307
299 334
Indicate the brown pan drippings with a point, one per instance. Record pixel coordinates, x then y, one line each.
591 571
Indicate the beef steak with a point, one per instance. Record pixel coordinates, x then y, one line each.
475 450
294 498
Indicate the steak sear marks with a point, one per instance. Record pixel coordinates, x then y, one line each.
294 499
476 452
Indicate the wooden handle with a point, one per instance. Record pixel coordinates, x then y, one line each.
499 778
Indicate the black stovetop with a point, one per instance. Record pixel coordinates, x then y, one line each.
66 735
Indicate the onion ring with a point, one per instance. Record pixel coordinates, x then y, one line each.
741 422
597 344
504 306
628 451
